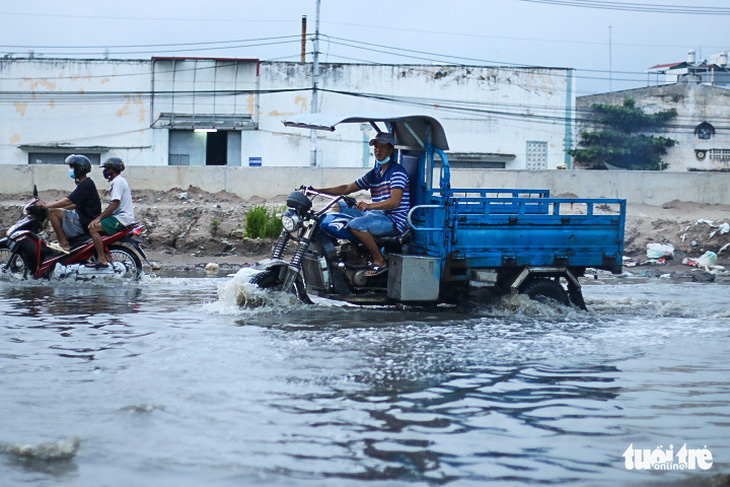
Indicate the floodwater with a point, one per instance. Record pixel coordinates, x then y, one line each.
167 382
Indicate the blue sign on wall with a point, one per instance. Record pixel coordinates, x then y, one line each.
254 161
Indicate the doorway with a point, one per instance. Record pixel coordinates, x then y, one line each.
216 148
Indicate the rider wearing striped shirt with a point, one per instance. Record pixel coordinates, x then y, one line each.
388 213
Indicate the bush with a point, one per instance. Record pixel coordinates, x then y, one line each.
262 222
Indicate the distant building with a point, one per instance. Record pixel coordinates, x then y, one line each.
715 72
701 95
199 111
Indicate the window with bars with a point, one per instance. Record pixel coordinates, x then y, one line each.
536 155
720 155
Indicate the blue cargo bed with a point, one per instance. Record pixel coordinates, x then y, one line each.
489 232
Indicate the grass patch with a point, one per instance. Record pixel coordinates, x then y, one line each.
261 222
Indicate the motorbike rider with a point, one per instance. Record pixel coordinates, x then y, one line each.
117 215
388 213
70 216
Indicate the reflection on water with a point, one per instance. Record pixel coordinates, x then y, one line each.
164 383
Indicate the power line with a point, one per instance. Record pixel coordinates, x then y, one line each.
151 19
638 7
512 38
202 49
173 44
434 57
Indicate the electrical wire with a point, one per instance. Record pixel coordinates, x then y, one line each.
202 49
172 44
151 19
638 7
587 74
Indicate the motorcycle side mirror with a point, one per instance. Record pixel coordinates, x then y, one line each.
35 191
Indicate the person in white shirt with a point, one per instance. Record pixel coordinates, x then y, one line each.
117 215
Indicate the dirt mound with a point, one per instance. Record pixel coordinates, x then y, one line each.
196 223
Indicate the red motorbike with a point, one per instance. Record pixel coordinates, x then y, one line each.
23 251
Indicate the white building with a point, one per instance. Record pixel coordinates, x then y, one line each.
715 72
190 111
701 95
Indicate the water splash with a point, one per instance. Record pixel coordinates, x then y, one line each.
239 293
47 450
143 408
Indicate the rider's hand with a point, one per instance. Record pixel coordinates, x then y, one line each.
362 206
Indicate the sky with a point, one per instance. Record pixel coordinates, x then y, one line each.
610 44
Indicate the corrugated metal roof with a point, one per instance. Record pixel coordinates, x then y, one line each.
667 66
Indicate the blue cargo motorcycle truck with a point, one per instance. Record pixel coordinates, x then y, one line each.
461 243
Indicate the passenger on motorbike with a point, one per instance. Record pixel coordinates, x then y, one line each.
117 215
388 213
70 216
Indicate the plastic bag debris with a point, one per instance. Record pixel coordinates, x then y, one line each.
707 260
722 229
658 250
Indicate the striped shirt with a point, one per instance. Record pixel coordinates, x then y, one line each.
380 186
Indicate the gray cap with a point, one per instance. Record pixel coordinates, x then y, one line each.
383 138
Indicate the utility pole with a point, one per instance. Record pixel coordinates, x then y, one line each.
315 84
304 38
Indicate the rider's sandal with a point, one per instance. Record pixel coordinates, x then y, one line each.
375 270
57 247
97 265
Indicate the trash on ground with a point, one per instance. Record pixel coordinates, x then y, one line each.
722 229
707 260
657 250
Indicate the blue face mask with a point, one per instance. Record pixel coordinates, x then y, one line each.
71 173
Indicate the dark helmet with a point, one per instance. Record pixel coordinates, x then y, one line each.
114 163
79 163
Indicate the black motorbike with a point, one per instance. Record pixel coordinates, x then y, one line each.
23 252
327 259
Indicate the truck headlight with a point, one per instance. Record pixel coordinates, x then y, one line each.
290 221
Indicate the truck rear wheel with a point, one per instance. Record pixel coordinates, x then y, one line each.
545 290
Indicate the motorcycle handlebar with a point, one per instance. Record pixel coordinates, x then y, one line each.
349 200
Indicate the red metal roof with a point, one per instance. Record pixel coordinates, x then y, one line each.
670 65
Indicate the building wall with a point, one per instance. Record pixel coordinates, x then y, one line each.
648 187
695 104
51 103
117 108
482 109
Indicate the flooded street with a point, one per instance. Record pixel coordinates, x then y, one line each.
165 383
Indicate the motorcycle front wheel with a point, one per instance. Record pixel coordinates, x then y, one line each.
128 258
17 266
269 279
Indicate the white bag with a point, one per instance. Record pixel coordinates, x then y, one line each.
657 250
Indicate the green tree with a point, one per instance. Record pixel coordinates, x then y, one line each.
623 142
